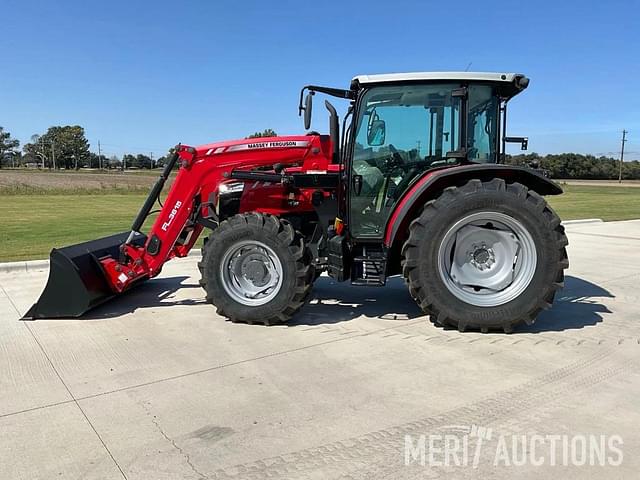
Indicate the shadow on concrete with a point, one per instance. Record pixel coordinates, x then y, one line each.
153 293
576 306
335 302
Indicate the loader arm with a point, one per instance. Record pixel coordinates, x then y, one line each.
190 199
172 234
85 275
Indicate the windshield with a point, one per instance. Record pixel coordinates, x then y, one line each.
421 121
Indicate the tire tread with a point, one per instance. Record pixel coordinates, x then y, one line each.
419 227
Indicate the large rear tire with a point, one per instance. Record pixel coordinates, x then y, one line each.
487 255
255 269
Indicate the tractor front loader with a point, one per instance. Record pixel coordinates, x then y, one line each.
414 185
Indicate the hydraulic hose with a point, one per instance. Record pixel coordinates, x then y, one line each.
152 197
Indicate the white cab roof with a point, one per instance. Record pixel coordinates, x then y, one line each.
431 76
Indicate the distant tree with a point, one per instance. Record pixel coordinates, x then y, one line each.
7 147
128 161
113 162
93 161
163 160
67 145
143 161
265 133
34 151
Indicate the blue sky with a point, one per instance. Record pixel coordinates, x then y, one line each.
141 76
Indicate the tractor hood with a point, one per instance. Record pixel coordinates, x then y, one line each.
257 144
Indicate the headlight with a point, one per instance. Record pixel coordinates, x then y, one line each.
230 187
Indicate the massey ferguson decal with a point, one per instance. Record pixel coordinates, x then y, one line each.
262 145
172 215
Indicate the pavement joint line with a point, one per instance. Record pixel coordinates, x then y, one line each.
197 372
578 342
73 398
28 266
76 402
535 394
624 277
33 409
622 237
232 364
582 221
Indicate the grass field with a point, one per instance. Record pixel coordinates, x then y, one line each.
593 201
43 182
30 225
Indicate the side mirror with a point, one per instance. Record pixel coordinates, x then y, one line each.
377 132
523 141
308 105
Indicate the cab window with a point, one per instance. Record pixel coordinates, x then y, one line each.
401 131
482 124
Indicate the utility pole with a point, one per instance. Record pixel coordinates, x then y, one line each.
99 157
624 139
42 150
151 156
53 154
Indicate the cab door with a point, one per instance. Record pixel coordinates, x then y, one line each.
400 132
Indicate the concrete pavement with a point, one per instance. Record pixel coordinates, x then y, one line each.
156 385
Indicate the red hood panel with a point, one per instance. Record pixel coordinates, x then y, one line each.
261 143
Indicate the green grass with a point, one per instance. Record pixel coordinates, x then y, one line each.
606 202
30 225
22 189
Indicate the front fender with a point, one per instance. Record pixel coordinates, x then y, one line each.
432 183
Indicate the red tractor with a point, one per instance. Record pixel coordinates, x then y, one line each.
411 185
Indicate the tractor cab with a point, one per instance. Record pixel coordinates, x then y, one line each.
402 128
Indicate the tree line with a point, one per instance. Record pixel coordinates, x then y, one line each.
578 166
66 147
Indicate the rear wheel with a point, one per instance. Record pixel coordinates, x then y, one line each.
487 255
255 269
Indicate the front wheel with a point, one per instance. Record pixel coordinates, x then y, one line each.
487 255
255 269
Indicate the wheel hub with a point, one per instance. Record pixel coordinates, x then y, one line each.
251 273
487 259
482 257
254 270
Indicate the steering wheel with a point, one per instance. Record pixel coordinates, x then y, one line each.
396 158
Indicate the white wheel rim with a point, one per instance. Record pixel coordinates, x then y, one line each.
487 259
251 273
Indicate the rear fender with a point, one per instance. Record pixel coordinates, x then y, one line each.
432 183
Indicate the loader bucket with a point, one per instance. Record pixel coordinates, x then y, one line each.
77 281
